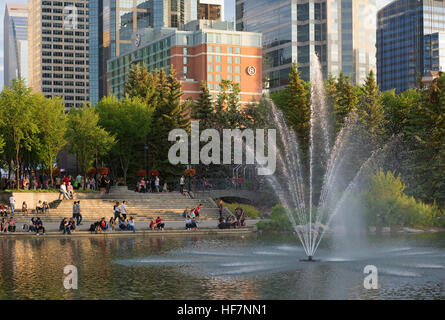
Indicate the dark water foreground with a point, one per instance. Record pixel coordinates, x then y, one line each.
221 267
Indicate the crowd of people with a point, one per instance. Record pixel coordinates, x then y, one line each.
232 222
151 185
192 217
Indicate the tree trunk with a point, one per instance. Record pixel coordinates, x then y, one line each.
51 176
17 178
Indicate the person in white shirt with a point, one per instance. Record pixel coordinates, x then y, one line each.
157 184
124 209
12 204
62 191
181 184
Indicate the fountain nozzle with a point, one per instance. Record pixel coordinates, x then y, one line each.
309 259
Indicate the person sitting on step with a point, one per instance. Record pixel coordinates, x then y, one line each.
153 224
159 224
39 207
24 208
11 225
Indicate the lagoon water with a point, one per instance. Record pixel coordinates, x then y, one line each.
221 267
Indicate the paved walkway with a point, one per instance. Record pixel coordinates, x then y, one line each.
169 225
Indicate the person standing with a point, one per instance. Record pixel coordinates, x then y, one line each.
157 183
63 192
107 182
117 211
12 204
124 209
75 217
79 215
220 209
79 182
181 184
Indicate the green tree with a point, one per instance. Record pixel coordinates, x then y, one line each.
86 139
169 114
142 84
52 124
295 105
202 110
346 100
371 112
425 125
17 119
129 121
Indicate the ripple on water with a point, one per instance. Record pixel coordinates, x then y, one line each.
397 272
429 266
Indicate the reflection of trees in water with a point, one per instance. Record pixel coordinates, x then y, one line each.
220 288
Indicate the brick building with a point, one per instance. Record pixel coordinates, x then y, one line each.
200 50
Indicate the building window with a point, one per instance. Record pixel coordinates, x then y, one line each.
237 50
218 78
186 69
210 48
237 69
210 68
237 60
230 50
229 59
229 69
209 58
210 77
185 60
237 79
218 59
218 50
218 68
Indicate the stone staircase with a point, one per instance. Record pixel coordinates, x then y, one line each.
143 207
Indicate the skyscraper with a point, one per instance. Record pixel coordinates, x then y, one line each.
113 22
58 49
340 32
15 42
410 42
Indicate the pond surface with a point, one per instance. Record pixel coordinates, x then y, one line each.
221 267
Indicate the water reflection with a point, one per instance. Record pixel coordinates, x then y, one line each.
222 267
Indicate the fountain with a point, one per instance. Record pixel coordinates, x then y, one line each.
338 183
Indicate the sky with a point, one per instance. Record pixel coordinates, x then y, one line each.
229 10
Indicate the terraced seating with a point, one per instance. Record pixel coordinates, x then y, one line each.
168 206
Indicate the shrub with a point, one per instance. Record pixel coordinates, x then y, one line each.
249 211
387 204
278 220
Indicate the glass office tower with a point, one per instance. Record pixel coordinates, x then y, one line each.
15 42
409 38
340 32
113 22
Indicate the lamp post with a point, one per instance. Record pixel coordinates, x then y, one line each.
145 157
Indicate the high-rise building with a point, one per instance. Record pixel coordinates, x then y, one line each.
112 23
340 32
15 42
410 42
58 49
201 50
211 9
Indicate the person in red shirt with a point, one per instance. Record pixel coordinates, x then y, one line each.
159 224
153 224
